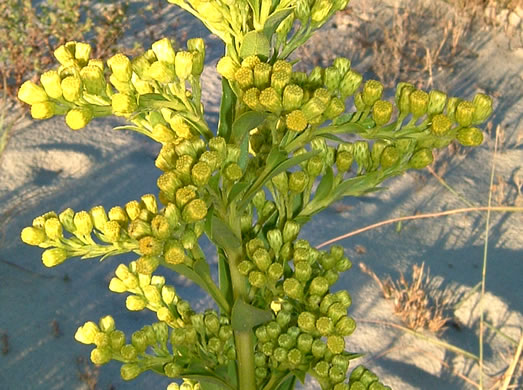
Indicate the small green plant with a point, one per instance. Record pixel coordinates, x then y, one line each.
248 186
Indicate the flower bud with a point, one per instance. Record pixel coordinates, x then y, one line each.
262 259
372 91
275 239
44 110
275 271
53 228
381 112
362 155
332 78
403 92
291 230
359 103
174 253
53 257
251 98
296 121
421 159
83 223
350 83
82 52
293 288
294 357
150 246
65 54
303 271
101 356
86 333
335 108
257 279
307 322
297 181
465 113
319 286
164 51
314 166
233 172
51 82
118 214
72 88
271 100
121 67
262 75
129 371
280 79
244 77
227 68
123 104
325 326
344 161
419 101
183 64
117 286
452 105
161 72
135 303
318 349
322 369
470 136
162 133
441 125
345 326
483 108
172 370
436 104
78 118
33 236
313 108
194 211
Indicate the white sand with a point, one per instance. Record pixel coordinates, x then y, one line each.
48 167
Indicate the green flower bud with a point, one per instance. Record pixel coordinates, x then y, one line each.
194 211
257 279
343 297
294 357
275 271
107 324
303 271
262 259
421 159
298 181
279 80
219 145
319 286
150 246
437 100
121 67
245 267
102 340
313 108
314 166
101 356
164 51
275 239
403 92
381 112
335 108
359 103
322 369
296 121
161 72
172 370
419 102
325 326
271 100
377 150
147 264
465 113
262 75
292 97
357 373
331 276
280 354
233 172
307 322
293 288
184 195
320 11
336 344
344 161
225 333
362 155
483 108
210 158
212 322
372 91
173 386
301 254
452 105
86 333
345 326
201 173
251 98
285 341
368 378
129 371
183 64
389 157
244 77
31 93
342 64
441 125
123 104
470 136
174 253
299 78
336 374
291 230
332 78
135 303
318 348
51 82
227 68
117 340
350 83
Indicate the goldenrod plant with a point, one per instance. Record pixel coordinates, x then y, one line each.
247 185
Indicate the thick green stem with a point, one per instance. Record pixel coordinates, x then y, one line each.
244 340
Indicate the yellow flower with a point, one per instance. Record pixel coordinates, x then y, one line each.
31 93
78 118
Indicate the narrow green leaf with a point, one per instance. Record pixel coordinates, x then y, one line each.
288 384
236 190
333 137
291 162
226 110
272 23
182 269
224 277
244 153
244 317
255 43
246 122
343 118
201 267
325 186
155 100
221 235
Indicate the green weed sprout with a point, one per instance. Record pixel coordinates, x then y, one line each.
247 185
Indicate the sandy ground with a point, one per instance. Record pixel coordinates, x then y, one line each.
48 167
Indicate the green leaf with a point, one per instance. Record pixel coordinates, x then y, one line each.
333 137
255 43
325 186
246 122
236 190
221 235
155 100
224 277
182 269
244 317
244 153
288 384
272 23
343 118
291 162
226 110
201 267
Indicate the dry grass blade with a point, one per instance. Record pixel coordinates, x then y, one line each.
418 304
516 361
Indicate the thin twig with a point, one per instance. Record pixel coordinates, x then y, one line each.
420 216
